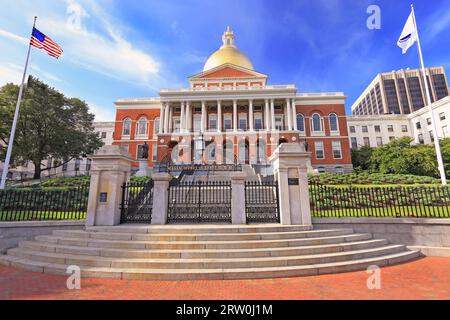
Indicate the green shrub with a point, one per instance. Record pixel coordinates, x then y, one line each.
365 178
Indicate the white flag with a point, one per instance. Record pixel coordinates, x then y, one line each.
409 35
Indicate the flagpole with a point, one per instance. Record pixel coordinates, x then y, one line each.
16 117
430 108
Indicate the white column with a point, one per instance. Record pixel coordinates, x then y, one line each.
182 117
219 116
161 119
272 114
267 116
235 114
188 117
294 115
170 119
289 114
166 118
250 103
203 118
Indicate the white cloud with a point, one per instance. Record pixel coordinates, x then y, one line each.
10 74
103 114
12 36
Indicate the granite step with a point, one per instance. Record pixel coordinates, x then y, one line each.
227 274
192 254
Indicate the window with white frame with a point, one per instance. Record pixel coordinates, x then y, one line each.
379 141
142 127
126 127
243 121
197 122
337 149
319 150
300 122
227 122
258 125
156 126
279 125
176 124
316 123
354 142
212 123
334 123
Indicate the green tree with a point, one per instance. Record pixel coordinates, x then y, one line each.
401 157
361 158
50 126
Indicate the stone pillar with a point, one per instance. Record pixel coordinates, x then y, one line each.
219 116
166 119
160 198
251 116
111 168
289 114
267 115
182 117
290 167
238 215
272 114
203 118
161 120
235 115
294 115
170 119
188 117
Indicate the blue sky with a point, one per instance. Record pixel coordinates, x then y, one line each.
121 49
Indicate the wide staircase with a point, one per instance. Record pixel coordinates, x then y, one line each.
189 252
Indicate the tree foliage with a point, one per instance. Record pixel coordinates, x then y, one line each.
361 158
400 156
50 126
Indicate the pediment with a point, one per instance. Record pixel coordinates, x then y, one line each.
229 71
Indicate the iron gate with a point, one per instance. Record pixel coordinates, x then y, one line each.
261 202
137 202
199 202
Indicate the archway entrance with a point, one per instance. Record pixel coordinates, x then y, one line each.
243 152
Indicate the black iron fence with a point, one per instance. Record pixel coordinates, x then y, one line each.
137 202
163 167
397 201
261 202
199 202
41 204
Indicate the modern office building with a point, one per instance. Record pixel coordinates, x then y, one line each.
229 113
377 130
401 92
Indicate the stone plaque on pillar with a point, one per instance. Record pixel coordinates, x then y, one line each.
290 161
111 167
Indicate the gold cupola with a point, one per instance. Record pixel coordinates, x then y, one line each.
228 53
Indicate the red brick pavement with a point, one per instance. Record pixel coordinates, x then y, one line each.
427 278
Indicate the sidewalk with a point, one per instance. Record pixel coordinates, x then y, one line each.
427 278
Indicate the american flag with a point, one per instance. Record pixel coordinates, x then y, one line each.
41 41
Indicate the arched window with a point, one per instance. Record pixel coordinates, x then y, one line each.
243 155
300 122
334 124
261 148
142 127
211 152
228 152
316 123
156 124
126 127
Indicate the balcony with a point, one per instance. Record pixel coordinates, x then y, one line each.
229 88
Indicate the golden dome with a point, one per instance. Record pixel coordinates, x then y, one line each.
228 53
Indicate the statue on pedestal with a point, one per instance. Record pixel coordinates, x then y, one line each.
145 149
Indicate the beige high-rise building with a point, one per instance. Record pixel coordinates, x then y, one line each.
401 92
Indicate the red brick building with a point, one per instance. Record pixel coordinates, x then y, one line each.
229 113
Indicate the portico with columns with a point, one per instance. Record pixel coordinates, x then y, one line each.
229 113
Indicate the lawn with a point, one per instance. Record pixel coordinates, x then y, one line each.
41 216
397 212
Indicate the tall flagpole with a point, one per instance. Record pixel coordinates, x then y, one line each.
16 117
430 108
